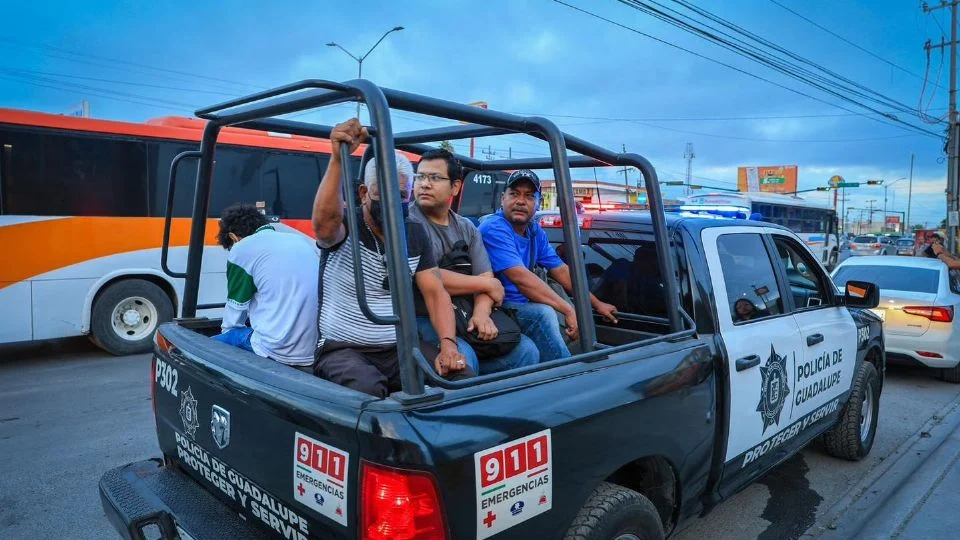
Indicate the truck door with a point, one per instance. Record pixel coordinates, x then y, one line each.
762 344
827 331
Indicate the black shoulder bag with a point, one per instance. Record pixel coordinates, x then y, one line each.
457 259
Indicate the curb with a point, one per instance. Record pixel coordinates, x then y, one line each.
858 508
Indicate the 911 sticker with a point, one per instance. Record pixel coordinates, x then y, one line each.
320 477
514 483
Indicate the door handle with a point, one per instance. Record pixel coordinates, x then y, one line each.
814 339
748 362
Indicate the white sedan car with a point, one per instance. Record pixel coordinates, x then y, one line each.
919 300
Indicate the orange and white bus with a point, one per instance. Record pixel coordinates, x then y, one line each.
81 219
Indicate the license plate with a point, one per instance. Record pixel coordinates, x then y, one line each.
882 313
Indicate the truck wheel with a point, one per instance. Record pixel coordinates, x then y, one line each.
615 512
951 375
852 436
126 314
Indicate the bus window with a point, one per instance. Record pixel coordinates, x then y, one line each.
290 183
481 193
161 154
77 175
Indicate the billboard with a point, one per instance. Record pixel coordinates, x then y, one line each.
776 179
893 221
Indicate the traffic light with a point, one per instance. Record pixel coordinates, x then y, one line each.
874 182
821 188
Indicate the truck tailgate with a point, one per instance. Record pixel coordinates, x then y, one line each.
276 445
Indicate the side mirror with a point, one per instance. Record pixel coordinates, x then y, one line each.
861 294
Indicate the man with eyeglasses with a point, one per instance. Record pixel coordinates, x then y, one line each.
352 350
438 180
516 245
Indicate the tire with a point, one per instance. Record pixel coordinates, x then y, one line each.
832 259
951 375
852 436
615 512
126 314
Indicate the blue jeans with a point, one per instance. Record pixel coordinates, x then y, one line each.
238 337
428 334
524 354
539 323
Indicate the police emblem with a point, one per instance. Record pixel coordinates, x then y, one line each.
220 426
773 389
188 412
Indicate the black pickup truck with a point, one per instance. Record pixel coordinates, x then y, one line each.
733 351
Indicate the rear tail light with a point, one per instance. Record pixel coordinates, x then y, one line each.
398 504
934 313
928 354
554 221
876 246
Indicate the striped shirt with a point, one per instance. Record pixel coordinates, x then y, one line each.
340 317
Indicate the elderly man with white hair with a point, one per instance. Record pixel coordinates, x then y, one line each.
352 350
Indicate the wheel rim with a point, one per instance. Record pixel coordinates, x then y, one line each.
134 318
627 536
866 414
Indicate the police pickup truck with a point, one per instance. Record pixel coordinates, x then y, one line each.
733 351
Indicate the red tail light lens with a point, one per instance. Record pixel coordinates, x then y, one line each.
398 504
876 246
934 313
554 221
928 354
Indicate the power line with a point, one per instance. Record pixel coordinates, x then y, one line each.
700 119
28 72
778 64
848 42
729 66
124 62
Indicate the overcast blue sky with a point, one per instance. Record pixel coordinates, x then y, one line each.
135 61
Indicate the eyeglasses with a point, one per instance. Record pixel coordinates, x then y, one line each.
431 178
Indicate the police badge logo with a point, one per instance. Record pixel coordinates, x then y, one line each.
188 412
220 426
773 389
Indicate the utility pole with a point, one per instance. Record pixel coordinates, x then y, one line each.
489 153
689 155
870 215
909 196
953 145
626 182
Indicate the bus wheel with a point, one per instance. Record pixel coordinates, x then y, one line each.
832 260
126 314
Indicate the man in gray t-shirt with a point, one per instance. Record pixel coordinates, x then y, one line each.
439 178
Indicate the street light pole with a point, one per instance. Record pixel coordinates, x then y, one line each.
364 57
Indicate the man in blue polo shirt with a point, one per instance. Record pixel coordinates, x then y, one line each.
510 236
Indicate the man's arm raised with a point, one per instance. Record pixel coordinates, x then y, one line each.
328 203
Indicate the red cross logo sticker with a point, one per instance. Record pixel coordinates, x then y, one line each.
301 490
491 517
339 511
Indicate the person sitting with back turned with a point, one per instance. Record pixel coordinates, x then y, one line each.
272 279
456 241
516 244
352 350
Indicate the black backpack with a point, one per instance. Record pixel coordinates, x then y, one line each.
457 259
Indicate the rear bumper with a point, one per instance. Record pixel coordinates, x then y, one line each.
907 346
146 495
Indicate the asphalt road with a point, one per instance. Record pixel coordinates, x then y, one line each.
69 412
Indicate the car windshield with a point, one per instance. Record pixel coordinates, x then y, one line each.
865 239
890 277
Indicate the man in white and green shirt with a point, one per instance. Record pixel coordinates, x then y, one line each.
272 279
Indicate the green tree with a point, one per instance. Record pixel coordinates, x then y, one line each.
446 145
917 226
943 223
